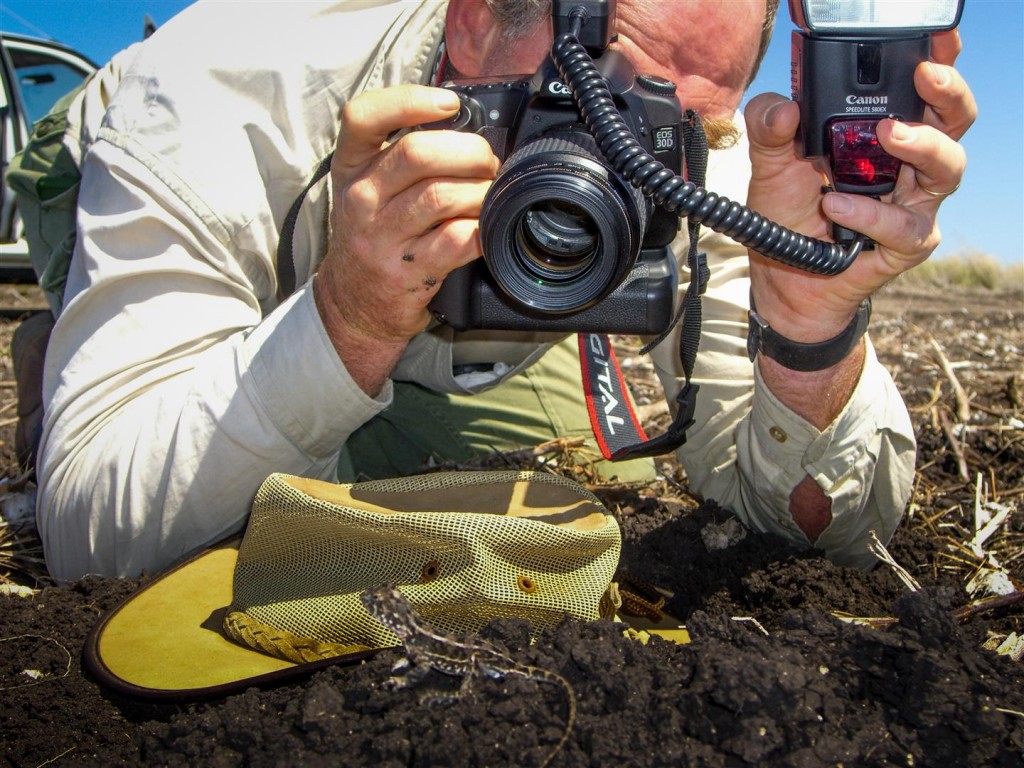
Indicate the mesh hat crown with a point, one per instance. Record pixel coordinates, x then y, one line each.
464 548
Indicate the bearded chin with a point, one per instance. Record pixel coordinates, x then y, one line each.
722 132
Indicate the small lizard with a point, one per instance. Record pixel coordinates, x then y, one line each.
428 648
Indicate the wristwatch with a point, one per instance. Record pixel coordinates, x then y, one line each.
804 357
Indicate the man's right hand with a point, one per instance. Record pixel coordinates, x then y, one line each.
404 215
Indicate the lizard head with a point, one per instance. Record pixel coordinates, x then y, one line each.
389 606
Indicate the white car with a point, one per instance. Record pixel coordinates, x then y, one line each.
34 73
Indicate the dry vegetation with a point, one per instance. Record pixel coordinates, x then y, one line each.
966 270
771 678
952 334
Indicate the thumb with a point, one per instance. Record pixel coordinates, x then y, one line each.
772 122
369 118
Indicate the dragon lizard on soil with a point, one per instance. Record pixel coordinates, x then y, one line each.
428 648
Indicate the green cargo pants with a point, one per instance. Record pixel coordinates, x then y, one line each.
544 402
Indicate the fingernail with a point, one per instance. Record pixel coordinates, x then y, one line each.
838 203
771 113
900 132
446 99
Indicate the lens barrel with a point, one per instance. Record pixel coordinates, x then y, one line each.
560 228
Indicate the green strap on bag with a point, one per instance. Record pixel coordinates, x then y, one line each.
45 179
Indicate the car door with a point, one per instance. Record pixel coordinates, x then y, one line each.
35 74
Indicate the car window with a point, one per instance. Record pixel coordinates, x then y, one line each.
42 80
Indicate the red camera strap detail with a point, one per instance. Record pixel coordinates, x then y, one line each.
615 423
439 71
616 426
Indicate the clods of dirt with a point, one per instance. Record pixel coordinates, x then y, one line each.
793 661
796 687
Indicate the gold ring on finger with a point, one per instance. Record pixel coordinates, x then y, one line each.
927 191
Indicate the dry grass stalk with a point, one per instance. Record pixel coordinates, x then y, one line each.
877 548
877 622
963 403
7 547
985 522
21 555
55 758
38 679
990 575
954 444
752 620
932 400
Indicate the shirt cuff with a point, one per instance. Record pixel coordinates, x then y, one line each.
840 458
320 408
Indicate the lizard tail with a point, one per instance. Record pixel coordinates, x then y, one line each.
570 718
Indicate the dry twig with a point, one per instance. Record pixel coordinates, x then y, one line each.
753 621
964 612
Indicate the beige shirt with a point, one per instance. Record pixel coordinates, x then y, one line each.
175 383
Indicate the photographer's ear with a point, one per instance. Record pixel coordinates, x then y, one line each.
470 33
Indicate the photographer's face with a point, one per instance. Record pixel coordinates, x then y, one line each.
706 47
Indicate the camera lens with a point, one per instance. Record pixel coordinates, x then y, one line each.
560 228
558 235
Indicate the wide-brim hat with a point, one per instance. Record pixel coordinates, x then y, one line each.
463 547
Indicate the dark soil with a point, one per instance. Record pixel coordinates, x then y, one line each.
771 677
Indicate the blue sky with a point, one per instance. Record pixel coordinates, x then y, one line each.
986 215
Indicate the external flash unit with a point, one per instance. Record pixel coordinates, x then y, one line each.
853 64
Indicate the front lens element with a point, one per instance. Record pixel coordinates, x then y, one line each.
558 235
560 228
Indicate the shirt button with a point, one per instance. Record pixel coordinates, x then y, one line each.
778 434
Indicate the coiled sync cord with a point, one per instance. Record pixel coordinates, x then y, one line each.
670 190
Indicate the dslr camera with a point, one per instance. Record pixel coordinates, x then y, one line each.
568 243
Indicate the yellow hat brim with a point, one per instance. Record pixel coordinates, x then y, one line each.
166 642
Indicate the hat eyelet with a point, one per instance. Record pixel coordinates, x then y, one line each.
526 584
430 572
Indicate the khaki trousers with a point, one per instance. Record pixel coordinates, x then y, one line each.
543 403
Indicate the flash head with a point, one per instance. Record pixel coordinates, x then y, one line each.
839 18
853 64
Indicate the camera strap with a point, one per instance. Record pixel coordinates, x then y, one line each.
616 426
285 255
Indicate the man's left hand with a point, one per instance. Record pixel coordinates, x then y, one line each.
787 189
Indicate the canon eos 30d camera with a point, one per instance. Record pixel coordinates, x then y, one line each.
568 243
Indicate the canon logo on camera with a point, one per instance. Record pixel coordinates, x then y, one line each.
558 88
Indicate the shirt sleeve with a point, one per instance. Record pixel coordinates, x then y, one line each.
175 382
748 451
863 461
160 426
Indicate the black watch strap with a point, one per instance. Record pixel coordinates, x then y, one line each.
804 357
